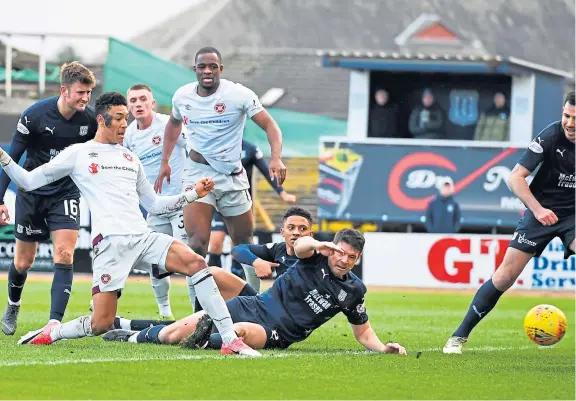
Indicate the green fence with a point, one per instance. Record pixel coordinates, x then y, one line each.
127 65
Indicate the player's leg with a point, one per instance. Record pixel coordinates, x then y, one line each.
101 321
229 284
567 232
248 325
63 221
29 228
530 239
253 334
160 333
170 255
64 242
113 260
161 286
217 237
236 210
17 274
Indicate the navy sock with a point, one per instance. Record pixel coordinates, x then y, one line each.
483 302
150 334
247 291
16 282
214 259
61 290
144 324
215 341
237 269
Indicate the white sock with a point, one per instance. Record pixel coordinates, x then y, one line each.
14 303
251 277
133 337
77 328
125 324
161 287
191 291
212 302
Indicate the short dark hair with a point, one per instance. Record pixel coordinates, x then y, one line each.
208 50
570 99
105 101
138 87
352 237
297 211
73 72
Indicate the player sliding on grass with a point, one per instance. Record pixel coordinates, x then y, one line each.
266 260
319 286
112 180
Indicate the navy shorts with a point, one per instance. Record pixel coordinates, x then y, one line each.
531 236
245 309
38 215
218 223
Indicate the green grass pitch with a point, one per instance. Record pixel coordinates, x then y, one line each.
501 363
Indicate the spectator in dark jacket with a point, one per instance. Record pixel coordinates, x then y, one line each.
384 117
443 212
427 120
494 123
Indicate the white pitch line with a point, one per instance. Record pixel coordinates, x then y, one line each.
295 354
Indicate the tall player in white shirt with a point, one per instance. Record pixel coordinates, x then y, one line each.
113 182
214 112
145 137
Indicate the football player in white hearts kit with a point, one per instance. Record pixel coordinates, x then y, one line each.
113 182
145 137
214 112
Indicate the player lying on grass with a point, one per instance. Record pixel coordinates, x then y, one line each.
112 180
319 286
266 259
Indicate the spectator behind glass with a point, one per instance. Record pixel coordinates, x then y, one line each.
494 123
427 120
384 117
443 212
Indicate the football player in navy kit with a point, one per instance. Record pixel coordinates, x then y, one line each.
550 202
44 130
319 286
274 259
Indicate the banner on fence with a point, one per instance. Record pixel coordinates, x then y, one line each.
394 182
458 261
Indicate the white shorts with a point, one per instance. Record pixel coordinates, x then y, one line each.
116 255
230 196
172 225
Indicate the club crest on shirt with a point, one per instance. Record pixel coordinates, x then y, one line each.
220 108
536 145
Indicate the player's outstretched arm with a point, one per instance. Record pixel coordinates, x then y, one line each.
57 168
366 336
160 205
257 256
519 186
171 134
305 247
